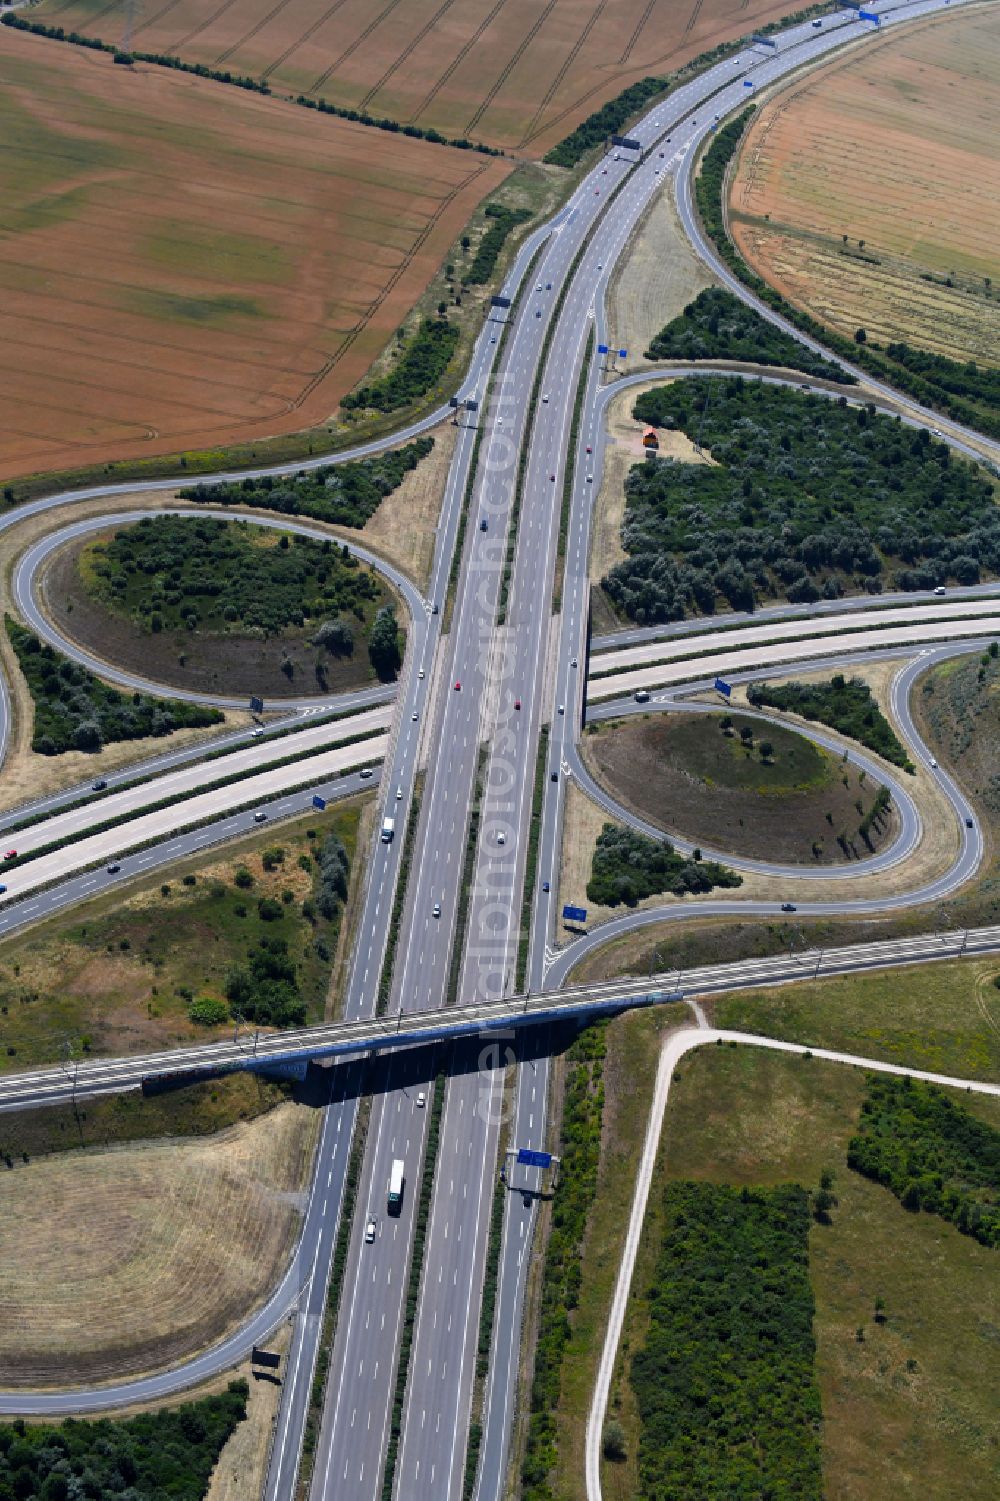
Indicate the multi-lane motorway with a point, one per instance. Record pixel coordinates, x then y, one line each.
470 712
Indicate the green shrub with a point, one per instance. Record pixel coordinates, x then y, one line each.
208 1012
718 326
421 367
171 1452
845 705
628 866
74 710
345 494
223 576
503 221
808 498
725 1381
931 1153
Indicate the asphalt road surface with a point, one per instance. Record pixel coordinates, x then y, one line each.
532 660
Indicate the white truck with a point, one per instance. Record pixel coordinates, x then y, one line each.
395 1202
388 830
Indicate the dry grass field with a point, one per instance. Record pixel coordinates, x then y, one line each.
187 265
520 74
683 773
115 1261
869 192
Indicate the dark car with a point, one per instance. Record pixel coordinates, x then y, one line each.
788 906
968 823
2 888
113 868
554 777
99 785
545 885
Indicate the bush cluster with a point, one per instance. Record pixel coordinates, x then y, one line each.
423 363
725 1381
808 498
718 326
74 710
489 247
580 1151
933 380
345 494
844 704
931 1152
266 989
627 867
171 1452
168 572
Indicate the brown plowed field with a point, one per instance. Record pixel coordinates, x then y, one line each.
187 265
863 190
515 73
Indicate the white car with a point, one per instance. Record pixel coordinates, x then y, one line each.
420 674
365 773
940 590
562 708
414 716
370 1229
257 733
501 837
436 909
545 399
933 763
421 1099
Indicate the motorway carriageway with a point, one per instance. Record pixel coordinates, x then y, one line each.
256 756
107 846
688 666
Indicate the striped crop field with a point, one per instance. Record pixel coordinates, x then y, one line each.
519 74
189 265
869 192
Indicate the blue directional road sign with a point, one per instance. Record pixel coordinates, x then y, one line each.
869 15
575 914
319 802
602 349
256 706
721 686
748 83
534 1159
623 354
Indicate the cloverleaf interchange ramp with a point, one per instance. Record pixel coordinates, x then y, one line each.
530 582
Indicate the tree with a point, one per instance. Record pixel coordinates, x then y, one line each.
614 1442
336 636
766 750
746 734
383 644
860 336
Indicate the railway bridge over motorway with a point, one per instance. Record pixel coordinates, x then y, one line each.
280 1052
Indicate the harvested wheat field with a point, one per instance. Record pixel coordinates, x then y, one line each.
869 193
113 1262
515 73
186 264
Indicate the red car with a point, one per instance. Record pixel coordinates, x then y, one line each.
589 449
457 685
517 703
11 855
